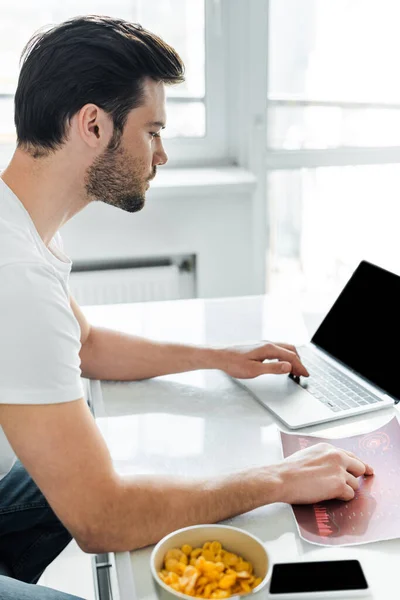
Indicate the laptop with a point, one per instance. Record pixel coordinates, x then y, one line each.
353 358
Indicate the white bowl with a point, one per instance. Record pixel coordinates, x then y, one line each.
232 539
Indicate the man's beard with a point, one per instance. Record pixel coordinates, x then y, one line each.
117 179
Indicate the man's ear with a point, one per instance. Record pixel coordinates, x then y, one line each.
94 126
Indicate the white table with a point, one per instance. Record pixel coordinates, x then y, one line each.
203 423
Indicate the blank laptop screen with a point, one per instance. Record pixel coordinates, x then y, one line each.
362 329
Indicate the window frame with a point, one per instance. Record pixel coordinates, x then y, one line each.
212 148
298 159
316 157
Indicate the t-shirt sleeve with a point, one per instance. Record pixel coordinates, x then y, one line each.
39 338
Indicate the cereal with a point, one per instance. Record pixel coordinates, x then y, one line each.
208 572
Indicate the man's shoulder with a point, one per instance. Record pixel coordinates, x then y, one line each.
25 270
17 247
29 284
35 309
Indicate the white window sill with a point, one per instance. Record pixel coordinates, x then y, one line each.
200 181
181 182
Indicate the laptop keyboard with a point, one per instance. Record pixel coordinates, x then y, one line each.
332 387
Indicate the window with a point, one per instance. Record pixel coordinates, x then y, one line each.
333 141
190 108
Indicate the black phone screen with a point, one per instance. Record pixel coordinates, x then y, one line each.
326 576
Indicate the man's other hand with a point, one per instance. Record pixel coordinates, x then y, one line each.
320 472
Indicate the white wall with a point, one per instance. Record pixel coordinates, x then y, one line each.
216 227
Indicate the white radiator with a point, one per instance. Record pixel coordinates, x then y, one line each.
114 286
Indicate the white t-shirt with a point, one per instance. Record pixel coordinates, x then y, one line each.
39 334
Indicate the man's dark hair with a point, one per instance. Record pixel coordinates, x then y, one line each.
90 59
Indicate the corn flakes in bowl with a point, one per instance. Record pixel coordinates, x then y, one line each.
210 562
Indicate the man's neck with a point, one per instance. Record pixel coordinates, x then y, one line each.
50 192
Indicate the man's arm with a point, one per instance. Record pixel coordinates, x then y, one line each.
113 355
62 449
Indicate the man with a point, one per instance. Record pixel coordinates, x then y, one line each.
89 109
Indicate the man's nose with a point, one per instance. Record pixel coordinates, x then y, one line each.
160 156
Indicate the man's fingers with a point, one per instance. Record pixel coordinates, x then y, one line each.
352 481
283 354
356 467
275 367
368 469
288 347
347 494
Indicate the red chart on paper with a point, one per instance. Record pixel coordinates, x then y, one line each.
374 513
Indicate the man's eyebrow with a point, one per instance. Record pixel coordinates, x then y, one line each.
156 124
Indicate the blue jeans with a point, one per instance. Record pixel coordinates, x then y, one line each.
31 536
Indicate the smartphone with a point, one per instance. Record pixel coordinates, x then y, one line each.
312 580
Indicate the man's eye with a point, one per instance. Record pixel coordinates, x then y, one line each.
155 134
